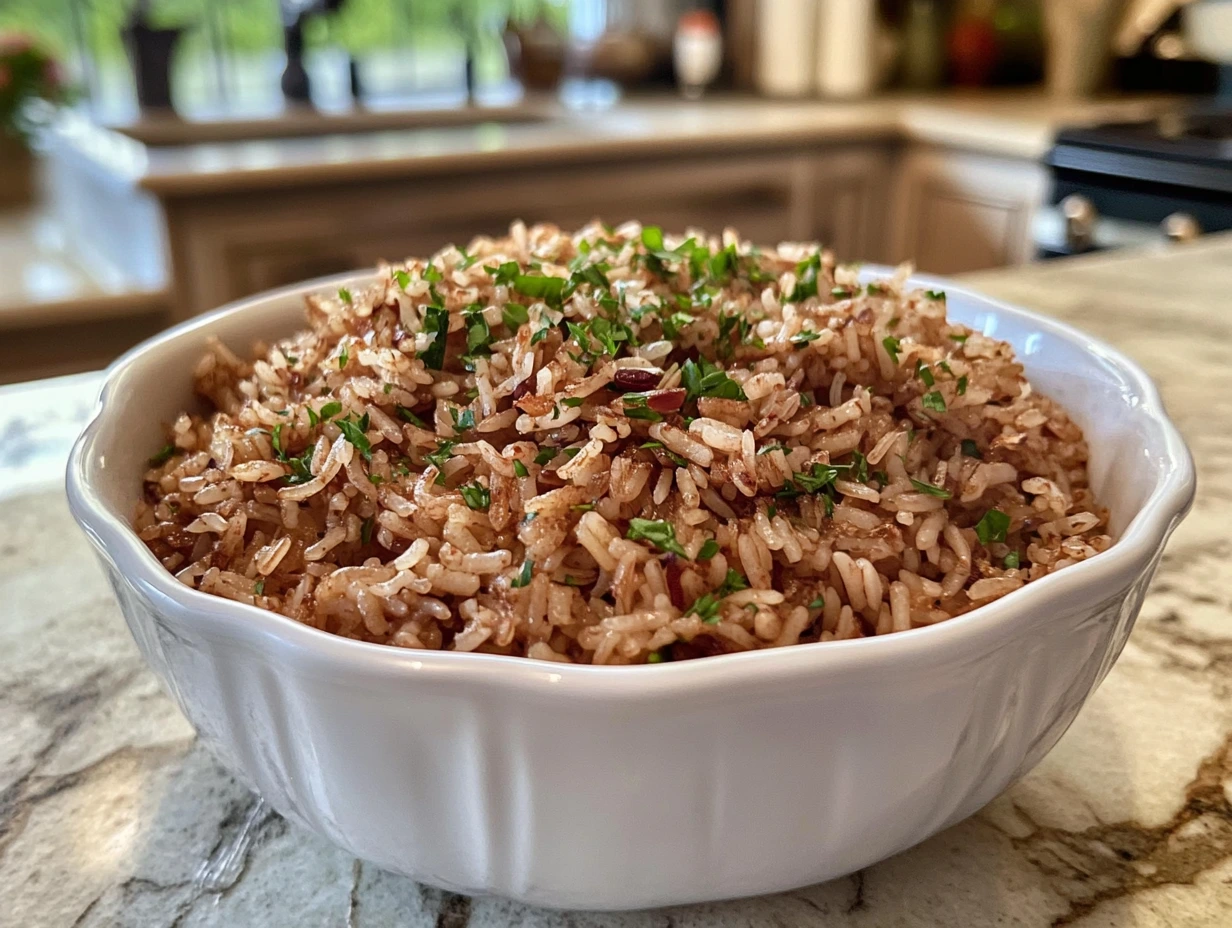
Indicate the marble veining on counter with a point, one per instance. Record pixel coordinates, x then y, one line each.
111 813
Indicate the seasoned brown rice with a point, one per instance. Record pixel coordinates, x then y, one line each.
616 447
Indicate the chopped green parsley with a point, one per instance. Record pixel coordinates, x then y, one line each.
659 533
992 527
476 495
930 490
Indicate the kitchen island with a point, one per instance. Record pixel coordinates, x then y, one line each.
111 812
165 231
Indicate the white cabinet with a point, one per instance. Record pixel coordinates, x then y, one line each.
227 246
869 201
850 202
957 211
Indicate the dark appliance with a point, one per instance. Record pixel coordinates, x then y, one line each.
1125 184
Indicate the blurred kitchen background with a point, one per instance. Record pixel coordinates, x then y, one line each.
161 157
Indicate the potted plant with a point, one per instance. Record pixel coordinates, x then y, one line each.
30 86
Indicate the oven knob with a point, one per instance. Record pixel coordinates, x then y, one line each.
1080 216
1181 227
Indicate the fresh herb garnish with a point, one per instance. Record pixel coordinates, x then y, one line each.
934 401
478 332
343 357
328 411
376 479
540 287
354 432
709 549
804 338
657 532
806 279
930 490
818 478
344 294
573 401
436 323
365 530
859 465
276 441
818 603
882 478
540 335
922 371
410 417
890 344
432 274
610 334
935 294
571 453
462 422
658 446
514 315
505 273
702 378
590 274
523 577
1011 561
301 466
635 408
258 588
165 454
707 607
675 322
443 452
971 449
655 657
962 385
476 495
959 338
402 278
545 455
583 507
519 469
772 511
992 527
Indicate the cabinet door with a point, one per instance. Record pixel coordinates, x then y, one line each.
228 247
850 196
956 211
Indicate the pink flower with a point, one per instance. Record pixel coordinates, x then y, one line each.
13 42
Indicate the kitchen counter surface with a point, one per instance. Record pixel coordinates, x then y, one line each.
1016 124
112 813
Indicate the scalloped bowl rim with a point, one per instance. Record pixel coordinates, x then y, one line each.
1142 538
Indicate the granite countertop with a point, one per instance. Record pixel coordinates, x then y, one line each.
111 812
1017 124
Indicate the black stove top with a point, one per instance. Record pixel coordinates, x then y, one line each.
1196 136
1190 149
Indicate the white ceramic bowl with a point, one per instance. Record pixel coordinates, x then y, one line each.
627 787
